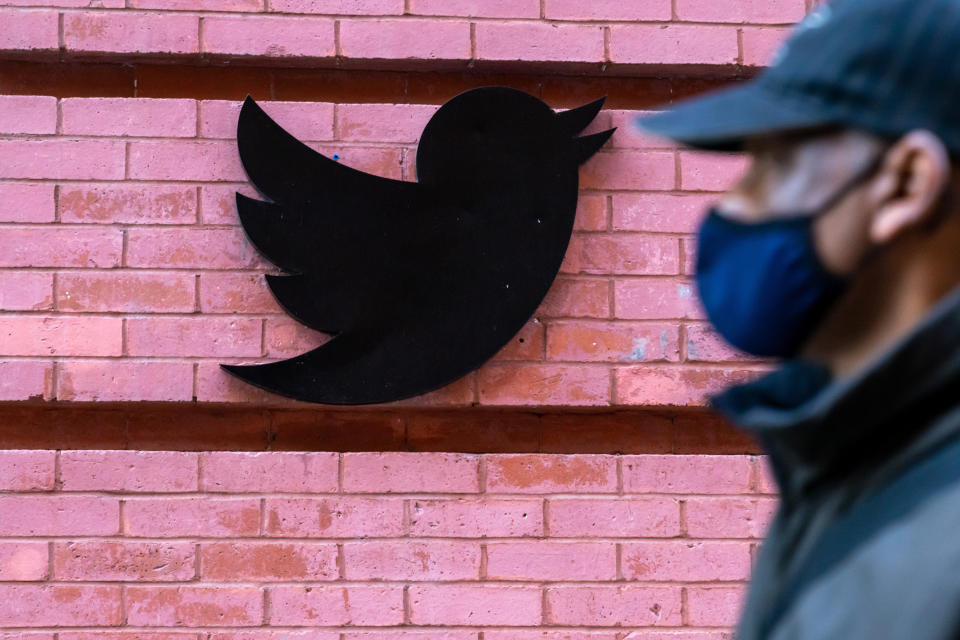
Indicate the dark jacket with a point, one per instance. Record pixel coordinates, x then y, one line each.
866 541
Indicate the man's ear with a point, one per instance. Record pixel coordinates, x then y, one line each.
912 179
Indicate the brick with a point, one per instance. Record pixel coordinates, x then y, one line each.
203 160
607 10
334 517
26 380
629 170
26 290
474 604
51 247
404 634
195 336
120 560
174 517
538 634
154 471
618 432
614 517
675 386
459 393
766 481
58 515
340 7
432 560
409 472
673 44
30 335
613 605
216 385
660 212
752 11
26 202
130 292
630 136
591 213
686 474
547 384
473 518
544 473
285 337
686 560
477 8
311 634
190 249
161 118
115 32
551 560
190 5
114 381
387 162
244 472
729 517
26 470
704 344
34 605
576 297
23 561
622 253
302 120
714 606
710 171
600 341
29 30
526 345
655 299
128 203
106 4
218 202
238 561
328 605
388 39
62 159
272 37
194 606
536 41
27 114
760 44
382 122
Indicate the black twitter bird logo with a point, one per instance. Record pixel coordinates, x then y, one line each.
420 282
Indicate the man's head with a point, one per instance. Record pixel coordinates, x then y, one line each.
893 233
846 223
909 185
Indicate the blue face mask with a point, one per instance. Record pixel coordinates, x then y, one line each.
763 286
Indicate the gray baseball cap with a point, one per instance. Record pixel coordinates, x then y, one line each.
885 66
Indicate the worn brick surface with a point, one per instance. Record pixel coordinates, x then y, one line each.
201 541
124 277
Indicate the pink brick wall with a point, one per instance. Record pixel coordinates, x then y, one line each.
124 274
449 33
419 546
125 277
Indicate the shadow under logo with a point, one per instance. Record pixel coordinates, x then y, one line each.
419 282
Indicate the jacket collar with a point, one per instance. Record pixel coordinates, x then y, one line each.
816 428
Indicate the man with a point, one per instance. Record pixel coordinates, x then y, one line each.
839 251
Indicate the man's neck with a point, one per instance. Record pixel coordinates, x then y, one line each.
883 305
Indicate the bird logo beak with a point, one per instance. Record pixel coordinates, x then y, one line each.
573 121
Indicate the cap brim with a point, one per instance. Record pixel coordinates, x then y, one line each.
723 119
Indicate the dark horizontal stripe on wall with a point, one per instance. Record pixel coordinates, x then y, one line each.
191 427
97 79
